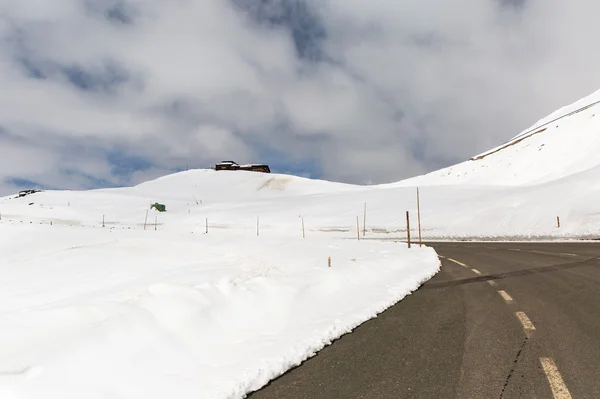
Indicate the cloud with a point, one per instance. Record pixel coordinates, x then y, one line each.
112 92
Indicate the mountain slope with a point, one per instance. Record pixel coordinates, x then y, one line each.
564 143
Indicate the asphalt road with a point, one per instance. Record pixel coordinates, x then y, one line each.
506 320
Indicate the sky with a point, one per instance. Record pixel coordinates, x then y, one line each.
104 93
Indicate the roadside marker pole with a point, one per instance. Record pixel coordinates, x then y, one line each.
102 220
365 220
357 229
303 234
419 217
329 262
408 228
206 225
558 221
146 220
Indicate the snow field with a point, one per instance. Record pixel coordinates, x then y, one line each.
102 313
448 211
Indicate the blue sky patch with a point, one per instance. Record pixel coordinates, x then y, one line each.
297 16
24 183
31 69
106 79
123 164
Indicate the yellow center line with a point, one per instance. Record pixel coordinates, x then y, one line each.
552 253
457 262
505 296
527 324
557 384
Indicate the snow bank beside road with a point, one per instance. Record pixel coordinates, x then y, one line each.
124 314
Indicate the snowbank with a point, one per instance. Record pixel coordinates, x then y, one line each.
96 313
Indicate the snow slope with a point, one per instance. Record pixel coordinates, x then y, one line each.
168 311
563 144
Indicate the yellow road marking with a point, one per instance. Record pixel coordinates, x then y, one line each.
557 385
505 296
527 324
457 262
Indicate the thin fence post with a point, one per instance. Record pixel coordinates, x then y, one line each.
357 229
419 217
206 225
146 220
329 261
365 220
102 220
558 221
303 233
408 228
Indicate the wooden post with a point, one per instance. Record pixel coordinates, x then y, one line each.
408 228
146 220
155 222
206 225
558 221
329 262
303 234
102 220
419 217
365 220
357 229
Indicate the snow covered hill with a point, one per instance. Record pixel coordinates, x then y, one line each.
150 306
101 296
564 143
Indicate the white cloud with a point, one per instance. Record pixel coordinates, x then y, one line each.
389 89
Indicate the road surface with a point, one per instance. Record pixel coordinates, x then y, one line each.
501 320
